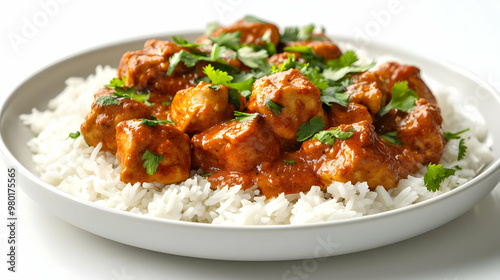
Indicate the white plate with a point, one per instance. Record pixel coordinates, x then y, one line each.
244 242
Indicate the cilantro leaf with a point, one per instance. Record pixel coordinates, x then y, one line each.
188 58
151 162
307 130
121 91
345 60
230 40
167 103
449 135
250 18
155 121
74 135
273 106
289 162
107 100
337 74
205 175
392 138
217 76
435 175
329 136
234 98
243 117
211 28
184 43
115 82
251 58
462 149
340 98
402 98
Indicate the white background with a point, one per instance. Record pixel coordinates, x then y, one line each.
34 34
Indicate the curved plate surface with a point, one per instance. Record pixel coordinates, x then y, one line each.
245 242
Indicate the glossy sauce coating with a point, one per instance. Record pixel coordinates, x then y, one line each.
263 152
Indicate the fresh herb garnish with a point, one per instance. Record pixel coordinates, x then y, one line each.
402 98
243 117
184 43
392 138
251 58
205 175
450 135
107 100
289 162
218 76
167 103
155 121
308 130
273 106
462 149
230 40
74 135
250 18
338 74
151 162
234 98
329 136
435 175
121 91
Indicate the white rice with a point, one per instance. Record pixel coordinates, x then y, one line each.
92 175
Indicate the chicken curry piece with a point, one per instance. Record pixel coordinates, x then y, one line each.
277 122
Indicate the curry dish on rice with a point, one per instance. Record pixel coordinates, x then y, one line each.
251 106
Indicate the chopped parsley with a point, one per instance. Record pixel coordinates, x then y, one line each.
151 162
333 95
308 130
243 117
436 174
392 138
329 136
273 106
402 98
74 135
304 33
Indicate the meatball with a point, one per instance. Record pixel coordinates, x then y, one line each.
158 153
392 72
146 69
367 89
198 108
352 113
99 125
236 146
298 97
363 157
